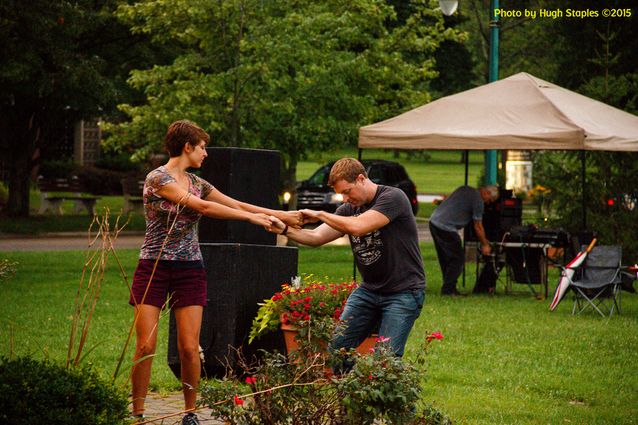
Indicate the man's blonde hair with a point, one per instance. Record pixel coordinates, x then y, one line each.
346 169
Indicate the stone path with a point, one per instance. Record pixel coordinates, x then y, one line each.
159 406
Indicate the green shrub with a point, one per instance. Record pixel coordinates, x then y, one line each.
57 168
99 181
41 392
117 162
301 389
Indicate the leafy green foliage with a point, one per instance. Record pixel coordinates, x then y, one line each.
61 61
608 175
380 385
7 269
299 76
300 389
39 392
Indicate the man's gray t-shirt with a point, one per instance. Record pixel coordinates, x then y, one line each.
457 210
389 259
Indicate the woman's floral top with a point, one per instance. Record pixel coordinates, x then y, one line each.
182 243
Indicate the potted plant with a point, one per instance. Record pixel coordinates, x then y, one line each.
306 308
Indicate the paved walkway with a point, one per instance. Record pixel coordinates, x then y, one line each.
78 240
63 242
159 406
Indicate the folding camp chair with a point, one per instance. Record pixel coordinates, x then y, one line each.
598 280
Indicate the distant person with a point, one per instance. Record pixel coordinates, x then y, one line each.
170 258
383 237
464 205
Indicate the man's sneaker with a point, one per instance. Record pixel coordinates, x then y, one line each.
190 419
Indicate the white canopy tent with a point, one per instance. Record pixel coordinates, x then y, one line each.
520 112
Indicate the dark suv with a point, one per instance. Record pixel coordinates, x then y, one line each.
315 194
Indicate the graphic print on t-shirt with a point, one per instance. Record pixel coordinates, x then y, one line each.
367 248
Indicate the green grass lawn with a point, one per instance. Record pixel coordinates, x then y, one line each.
442 173
504 359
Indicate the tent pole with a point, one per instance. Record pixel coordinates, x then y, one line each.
467 165
583 163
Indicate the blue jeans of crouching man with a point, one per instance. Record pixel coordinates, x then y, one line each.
392 315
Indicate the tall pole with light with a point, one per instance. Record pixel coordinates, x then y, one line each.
448 7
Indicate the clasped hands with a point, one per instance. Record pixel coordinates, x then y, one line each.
294 219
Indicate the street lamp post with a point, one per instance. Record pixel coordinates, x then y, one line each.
448 7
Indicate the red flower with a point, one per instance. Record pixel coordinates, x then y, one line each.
238 401
251 380
434 335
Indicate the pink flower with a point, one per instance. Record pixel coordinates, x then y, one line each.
238 401
251 380
381 338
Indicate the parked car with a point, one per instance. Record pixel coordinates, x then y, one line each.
315 194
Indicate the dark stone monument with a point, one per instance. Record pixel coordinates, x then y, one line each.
243 264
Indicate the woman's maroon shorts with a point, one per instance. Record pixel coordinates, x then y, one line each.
184 281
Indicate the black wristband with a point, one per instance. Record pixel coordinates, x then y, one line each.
283 232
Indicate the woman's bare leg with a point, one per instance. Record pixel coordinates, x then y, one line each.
189 322
147 317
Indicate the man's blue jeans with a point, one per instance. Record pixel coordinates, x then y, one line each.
392 315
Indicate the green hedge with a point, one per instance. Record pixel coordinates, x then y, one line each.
41 392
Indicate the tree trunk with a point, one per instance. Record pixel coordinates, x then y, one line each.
21 133
289 174
18 203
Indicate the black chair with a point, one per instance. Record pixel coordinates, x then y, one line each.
597 281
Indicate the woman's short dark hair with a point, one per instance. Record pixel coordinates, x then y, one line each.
181 132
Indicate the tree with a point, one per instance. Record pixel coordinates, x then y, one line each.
58 61
299 76
606 72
